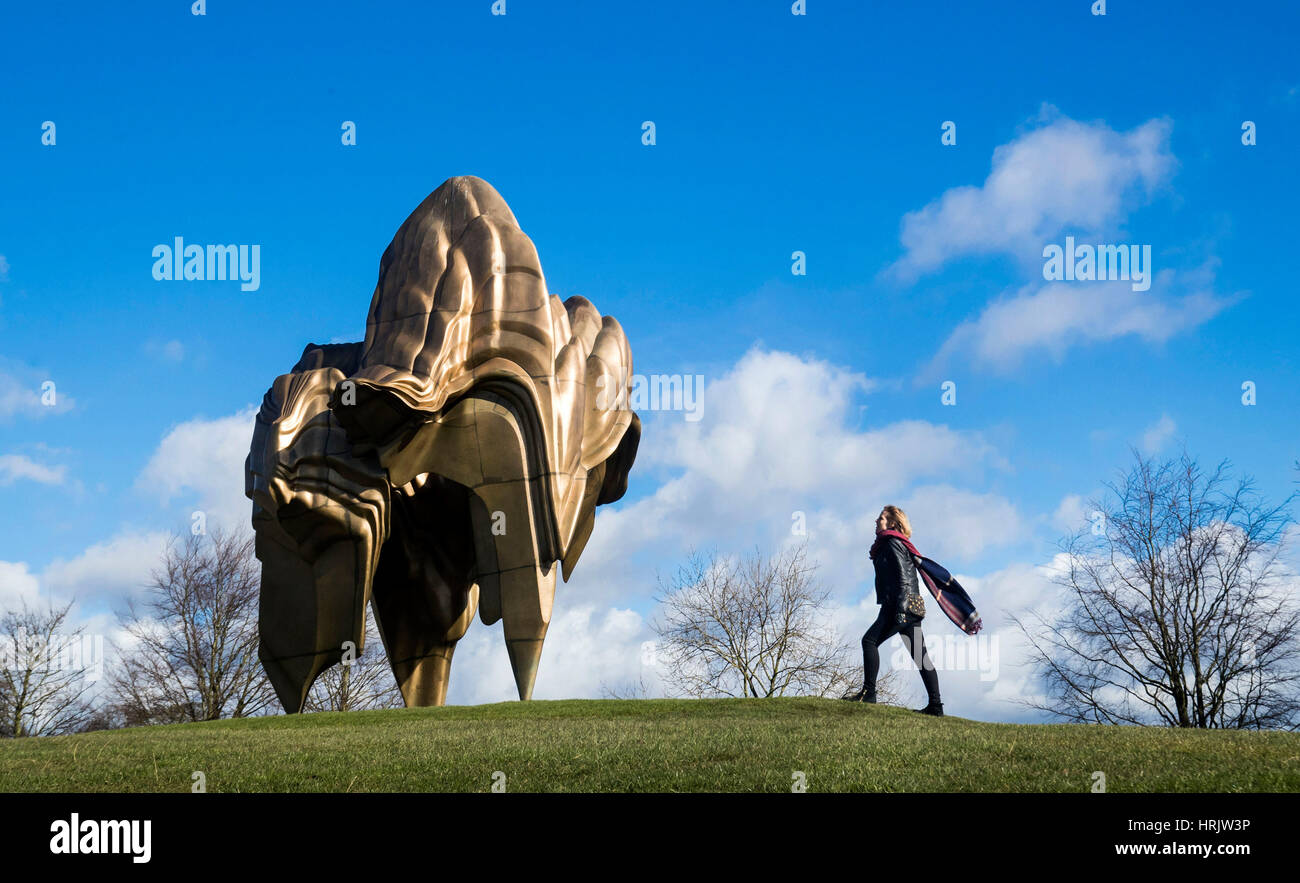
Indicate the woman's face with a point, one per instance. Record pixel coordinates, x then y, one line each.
881 523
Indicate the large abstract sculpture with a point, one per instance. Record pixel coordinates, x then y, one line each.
444 465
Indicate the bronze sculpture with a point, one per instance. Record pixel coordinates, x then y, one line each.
444 465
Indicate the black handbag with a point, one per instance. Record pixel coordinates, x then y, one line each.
914 604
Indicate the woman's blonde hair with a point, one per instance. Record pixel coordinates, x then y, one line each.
896 519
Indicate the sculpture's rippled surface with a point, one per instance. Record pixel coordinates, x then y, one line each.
444 465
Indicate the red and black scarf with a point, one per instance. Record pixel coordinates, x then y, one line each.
952 598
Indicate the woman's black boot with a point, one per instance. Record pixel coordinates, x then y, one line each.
934 708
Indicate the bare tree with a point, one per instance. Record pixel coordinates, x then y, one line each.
367 682
44 676
191 654
751 627
1175 609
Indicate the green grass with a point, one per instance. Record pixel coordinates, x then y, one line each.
649 745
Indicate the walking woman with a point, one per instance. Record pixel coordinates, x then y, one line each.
898 592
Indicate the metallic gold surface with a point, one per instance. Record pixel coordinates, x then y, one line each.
452 462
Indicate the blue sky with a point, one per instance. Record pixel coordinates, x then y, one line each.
774 133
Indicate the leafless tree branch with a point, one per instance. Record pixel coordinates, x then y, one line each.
1176 612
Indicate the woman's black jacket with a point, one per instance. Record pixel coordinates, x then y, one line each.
896 577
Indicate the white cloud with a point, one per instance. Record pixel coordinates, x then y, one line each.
201 458
14 467
1071 514
778 423
1158 434
23 392
1062 175
110 571
1054 317
18 586
17 397
961 524
168 351
203 461
94 583
1016 588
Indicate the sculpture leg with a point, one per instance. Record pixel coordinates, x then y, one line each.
312 602
424 597
421 662
521 593
525 626
320 515
420 658
487 445
424 681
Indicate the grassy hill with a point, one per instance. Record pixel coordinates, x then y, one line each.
649 745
